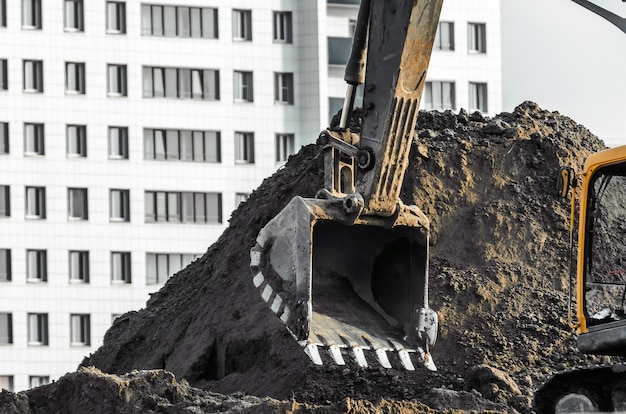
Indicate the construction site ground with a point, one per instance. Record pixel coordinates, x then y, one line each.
207 342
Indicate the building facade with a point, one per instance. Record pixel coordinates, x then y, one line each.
129 131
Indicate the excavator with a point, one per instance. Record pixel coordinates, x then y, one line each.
598 282
347 271
597 278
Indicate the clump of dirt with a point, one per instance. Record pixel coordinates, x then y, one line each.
499 257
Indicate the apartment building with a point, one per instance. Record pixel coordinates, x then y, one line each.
129 132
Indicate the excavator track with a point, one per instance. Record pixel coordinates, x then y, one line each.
599 388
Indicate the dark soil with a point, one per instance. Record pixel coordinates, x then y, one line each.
499 259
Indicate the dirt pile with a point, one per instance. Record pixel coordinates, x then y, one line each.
498 280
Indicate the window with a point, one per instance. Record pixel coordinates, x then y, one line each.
120 267
184 145
6 329
444 39
77 203
4 137
244 147
36 266
240 198
120 205
477 97
284 146
242 25
116 17
6 382
37 329
75 78
79 266
76 140
283 88
160 266
38 380
34 139
80 330
180 83
118 143
476 37
179 21
439 95
74 15
282 27
117 80
243 86
185 207
339 50
4 76
33 76
5 201
5 265
31 14
35 202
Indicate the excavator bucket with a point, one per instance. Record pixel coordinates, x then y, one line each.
348 270
348 286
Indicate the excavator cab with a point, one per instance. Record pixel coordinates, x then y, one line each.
347 271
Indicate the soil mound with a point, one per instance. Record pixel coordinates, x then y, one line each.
498 271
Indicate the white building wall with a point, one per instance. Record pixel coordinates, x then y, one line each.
315 81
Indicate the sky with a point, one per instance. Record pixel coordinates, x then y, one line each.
566 59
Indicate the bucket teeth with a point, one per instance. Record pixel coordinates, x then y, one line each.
313 352
335 353
381 354
359 356
405 360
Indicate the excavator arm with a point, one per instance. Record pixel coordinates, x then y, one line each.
347 271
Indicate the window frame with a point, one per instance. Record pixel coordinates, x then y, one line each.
285 146
4 138
32 71
182 207
6 325
77 204
5 201
76 142
75 83
444 38
116 25
121 205
32 20
284 88
476 37
243 86
5 265
80 329
121 136
78 266
35 209
4 75
282 27
8 381
203 145
201 84
36 266
34 139
244 147
173 262
38 380
117 80
3 13
242 25
438 89
74 21
478 99
123 274
38 329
